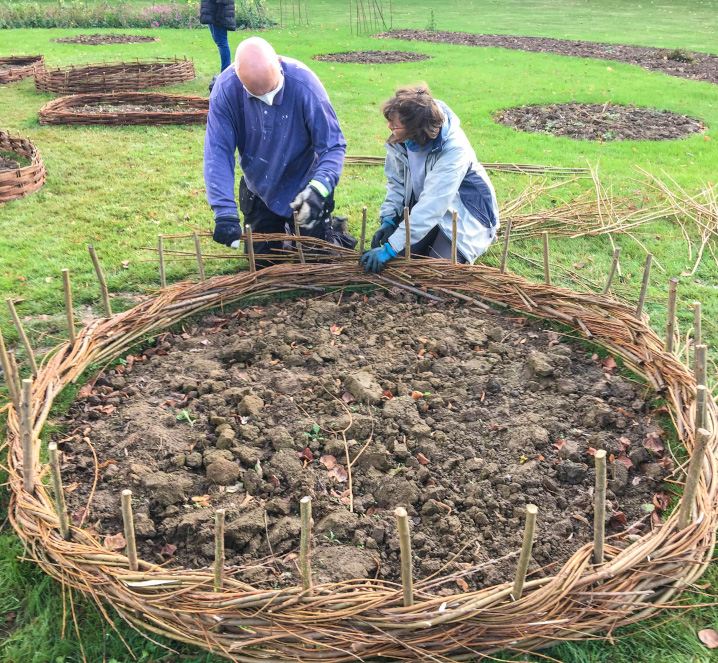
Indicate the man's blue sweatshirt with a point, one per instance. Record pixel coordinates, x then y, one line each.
281 147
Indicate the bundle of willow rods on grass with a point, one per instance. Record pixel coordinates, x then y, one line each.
359 619
17 67
23 180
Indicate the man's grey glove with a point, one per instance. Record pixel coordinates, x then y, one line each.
309 204
386 230
227 231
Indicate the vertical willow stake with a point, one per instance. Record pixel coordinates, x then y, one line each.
599 507
671 322
407 228
305 542
23 336
363 227
546 267
694 470
700 360
644 284
68 305
696 324
5 365
407 582
218 549
161 252
101 279
505 252
454 233
531 511
14 371
28 451
300 248
249 245
198 252
57 489
612 271
129 523
701 401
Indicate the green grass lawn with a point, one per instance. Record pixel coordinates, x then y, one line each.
118 188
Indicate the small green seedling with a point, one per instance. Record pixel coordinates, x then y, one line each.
185 416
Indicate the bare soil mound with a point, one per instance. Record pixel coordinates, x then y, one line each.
104 39
698 66
604 122
459 416
96 109
373 57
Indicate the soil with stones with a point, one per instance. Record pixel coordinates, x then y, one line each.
602 122
461 417
100 39
373 57
680 63
97 109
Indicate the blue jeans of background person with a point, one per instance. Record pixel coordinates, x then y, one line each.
220 38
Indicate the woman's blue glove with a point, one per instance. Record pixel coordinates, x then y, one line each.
376 259
381 236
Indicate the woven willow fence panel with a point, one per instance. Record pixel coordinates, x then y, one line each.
22 181
16 68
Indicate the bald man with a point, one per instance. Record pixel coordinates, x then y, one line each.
273 111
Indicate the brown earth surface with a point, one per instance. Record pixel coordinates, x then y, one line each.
102 39
603 122
459 416
704 66
133 108
373 57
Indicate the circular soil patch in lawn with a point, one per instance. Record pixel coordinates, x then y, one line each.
100 39
461 417
602 122
373 57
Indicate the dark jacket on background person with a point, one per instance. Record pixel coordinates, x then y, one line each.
219 13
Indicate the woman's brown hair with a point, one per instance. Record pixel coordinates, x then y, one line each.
417 111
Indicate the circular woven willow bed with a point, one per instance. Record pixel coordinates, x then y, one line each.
19 67
361 619
67 110
114 76
20 182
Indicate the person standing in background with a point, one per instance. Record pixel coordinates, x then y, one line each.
219 16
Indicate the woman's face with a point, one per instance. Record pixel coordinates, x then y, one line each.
397 129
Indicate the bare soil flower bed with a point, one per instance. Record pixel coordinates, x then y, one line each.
98 39
22 170
697 66
603 122
460 417
373 57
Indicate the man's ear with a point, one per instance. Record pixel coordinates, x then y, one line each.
279 59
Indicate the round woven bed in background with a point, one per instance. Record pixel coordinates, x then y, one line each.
359 619
15 68
74 109
24 180
115 76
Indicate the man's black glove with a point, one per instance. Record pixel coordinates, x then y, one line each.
227 231
309 204
386 230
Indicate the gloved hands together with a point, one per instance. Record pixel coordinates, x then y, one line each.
309 204
376 259
227 231
386 230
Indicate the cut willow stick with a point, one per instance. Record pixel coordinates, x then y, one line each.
198 251
531 511
644 284
363 230
700 360
694 469
101 279
161 252
249 246
696 323
219 516
300 250
599 508
57 489
407 582
612 270
546 267
14 370
407 243
129 524
69 313
505 252
454 233
701 402
28 451
23 336
305 542
671 321
5 365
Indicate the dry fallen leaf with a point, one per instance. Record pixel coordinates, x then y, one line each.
609 363
347 397
73 486
709 637
106 463
387 394
328 461
115 542
463 585
85 391
422 459
654 443
339 473
625 460
335 329
168 550
416 394
306 455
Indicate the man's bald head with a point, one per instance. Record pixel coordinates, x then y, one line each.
257 66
